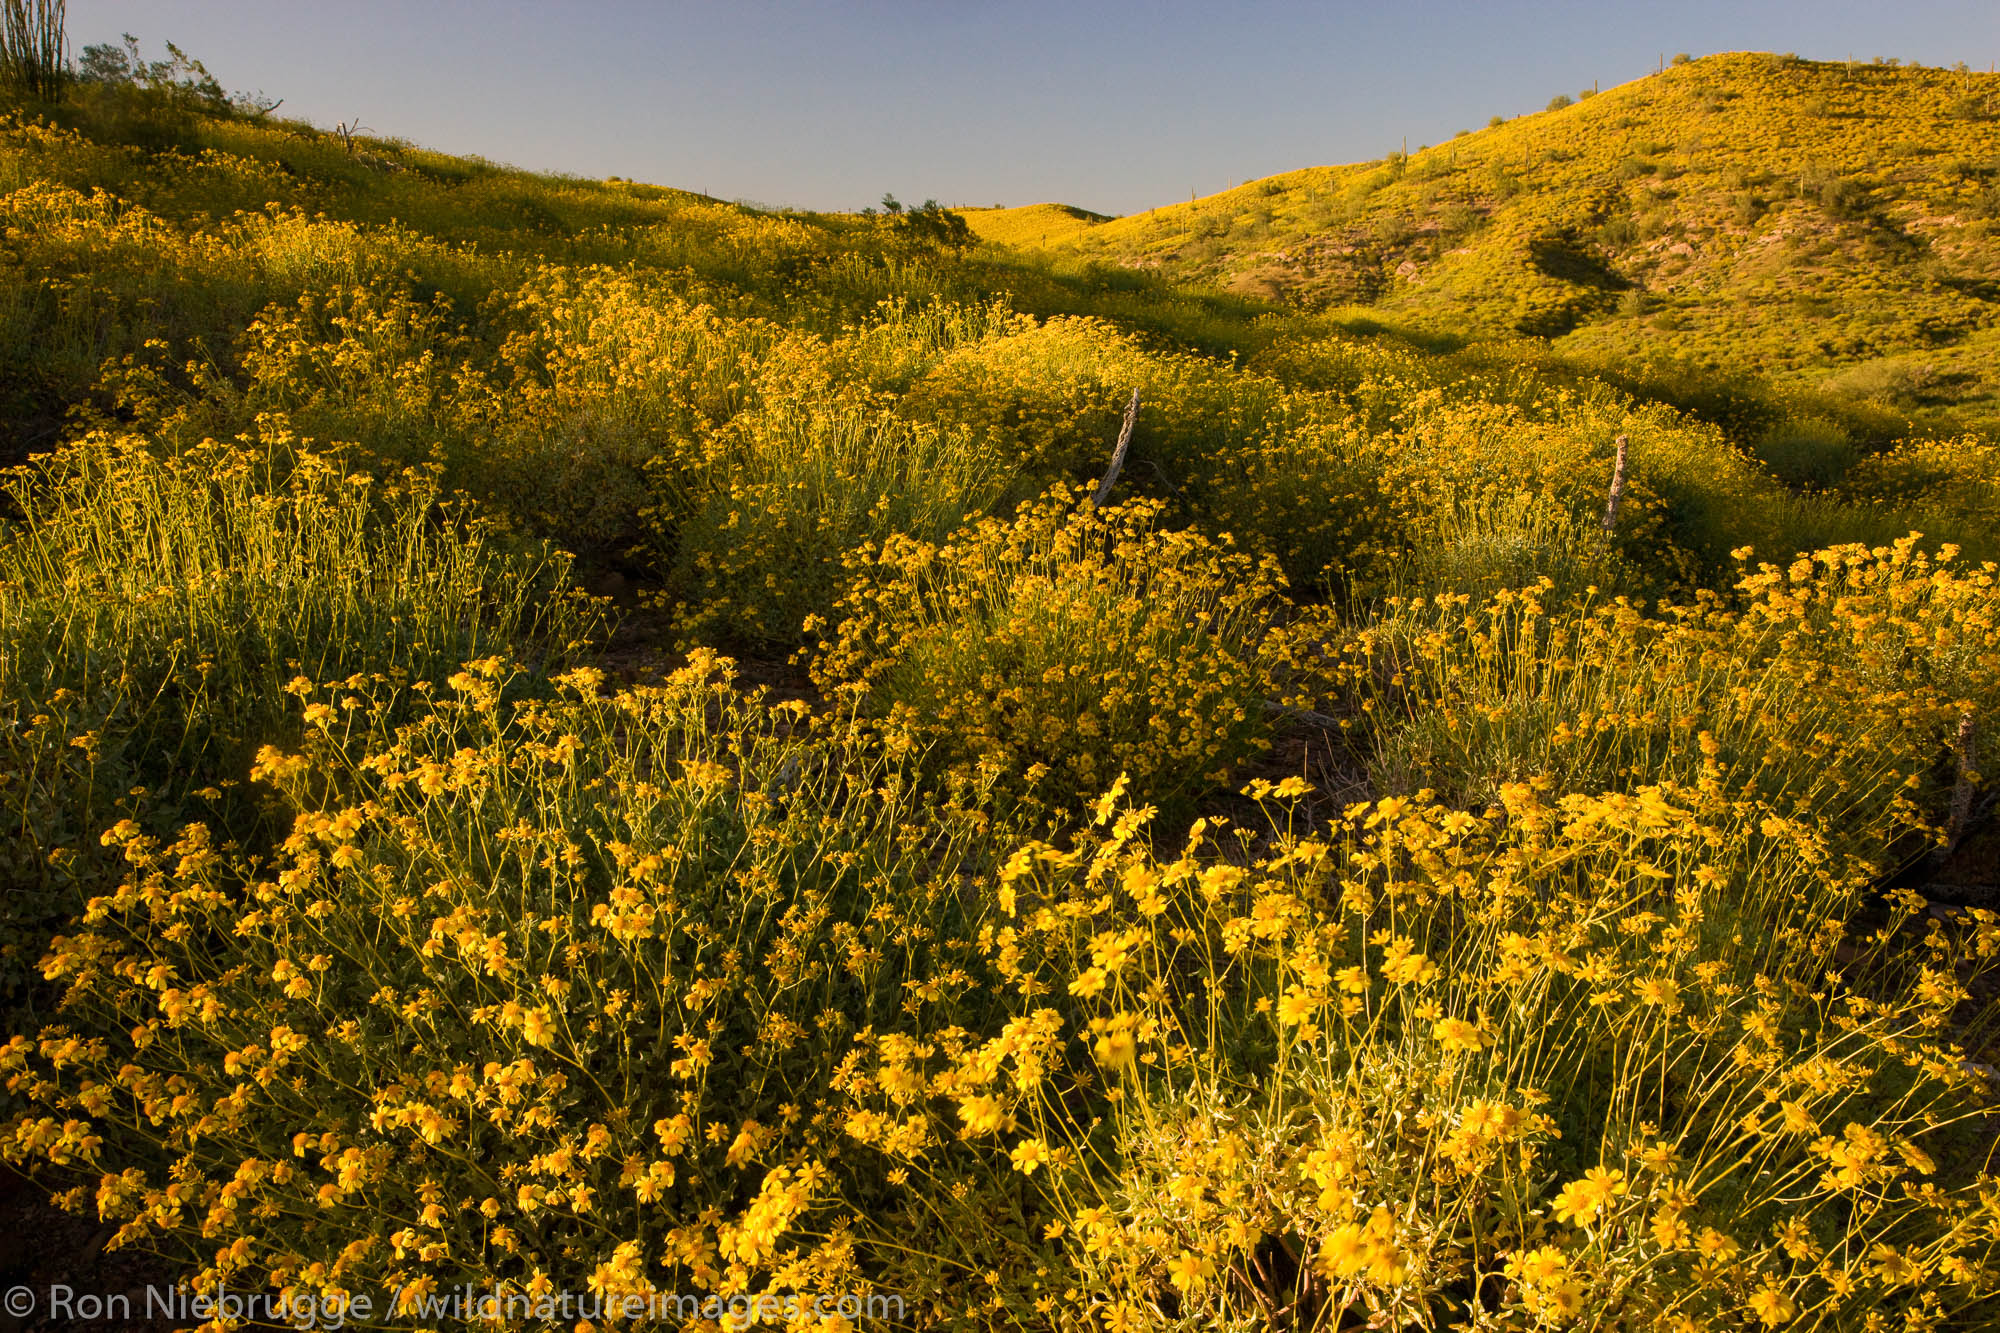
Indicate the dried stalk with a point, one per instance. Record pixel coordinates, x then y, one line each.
1617 491
1961 791
346 130
1118 454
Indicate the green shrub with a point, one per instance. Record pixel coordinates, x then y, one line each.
1807 451
1487 541
762 524
153 611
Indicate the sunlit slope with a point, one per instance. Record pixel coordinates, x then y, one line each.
1035 226
1749 211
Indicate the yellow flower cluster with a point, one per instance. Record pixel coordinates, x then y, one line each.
1546 1044
489 1006
1065 646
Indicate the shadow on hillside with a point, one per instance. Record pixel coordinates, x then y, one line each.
1562 258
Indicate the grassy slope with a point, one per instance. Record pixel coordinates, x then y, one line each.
1816 222
1034 227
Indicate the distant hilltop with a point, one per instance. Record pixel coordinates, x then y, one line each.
1831 221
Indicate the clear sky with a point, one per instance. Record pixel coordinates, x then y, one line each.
1116 107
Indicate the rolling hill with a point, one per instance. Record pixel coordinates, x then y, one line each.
1821 223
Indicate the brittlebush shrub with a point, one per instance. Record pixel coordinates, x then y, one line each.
1062 648
541 996
761 527
903 341
1317 492
607 375
1599 1062
1836 683
1954 484
1481 544
1053 393
550 401
152 610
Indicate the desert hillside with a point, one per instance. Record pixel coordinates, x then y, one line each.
1825 223
1258 767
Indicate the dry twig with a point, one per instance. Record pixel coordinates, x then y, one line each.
1617 491
1118 454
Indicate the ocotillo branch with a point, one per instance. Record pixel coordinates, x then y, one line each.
1118 454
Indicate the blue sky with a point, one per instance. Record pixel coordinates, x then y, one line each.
1116 107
